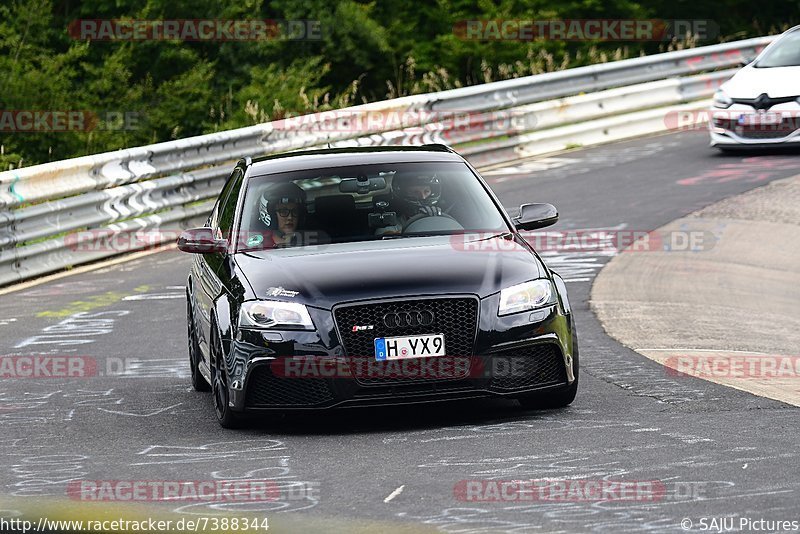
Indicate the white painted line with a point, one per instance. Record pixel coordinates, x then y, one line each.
706 350
156 296
151 414
395 493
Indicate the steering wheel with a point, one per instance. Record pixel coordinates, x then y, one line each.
432 223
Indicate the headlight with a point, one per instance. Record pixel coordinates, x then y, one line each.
527 296
721 100
276 314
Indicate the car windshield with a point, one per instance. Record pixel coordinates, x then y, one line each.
785 53
365 202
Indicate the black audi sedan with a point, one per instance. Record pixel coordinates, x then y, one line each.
372 276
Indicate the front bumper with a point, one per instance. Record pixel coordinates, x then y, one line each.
726 130
293 370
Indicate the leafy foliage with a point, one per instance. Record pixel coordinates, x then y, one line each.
145 91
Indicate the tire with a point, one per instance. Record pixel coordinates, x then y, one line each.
558 399
199 382
226 417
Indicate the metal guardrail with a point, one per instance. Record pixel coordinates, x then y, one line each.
117 194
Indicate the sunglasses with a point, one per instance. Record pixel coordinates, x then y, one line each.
285 212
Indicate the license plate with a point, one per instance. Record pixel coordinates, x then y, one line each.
760 119
402 347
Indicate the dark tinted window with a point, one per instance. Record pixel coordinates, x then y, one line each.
366 202
227 209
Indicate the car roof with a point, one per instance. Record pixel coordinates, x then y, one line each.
340 157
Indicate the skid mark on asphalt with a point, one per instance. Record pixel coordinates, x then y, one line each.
579 265
223 460
78 329
46 474
39 406
488 512
147 414
527 169
573 164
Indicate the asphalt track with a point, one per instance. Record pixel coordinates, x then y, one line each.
714 451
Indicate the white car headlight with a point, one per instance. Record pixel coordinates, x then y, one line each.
527 296
721 100
276 314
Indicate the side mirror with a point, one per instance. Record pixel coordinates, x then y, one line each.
201 241
533 216
746 60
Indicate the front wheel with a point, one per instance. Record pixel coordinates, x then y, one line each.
226 417
198 381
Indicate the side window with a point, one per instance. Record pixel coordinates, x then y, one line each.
227 207
213 219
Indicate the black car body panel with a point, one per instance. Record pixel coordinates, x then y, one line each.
380 269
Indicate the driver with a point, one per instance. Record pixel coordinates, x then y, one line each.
417 194
282 210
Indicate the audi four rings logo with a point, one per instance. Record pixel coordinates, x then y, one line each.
408 318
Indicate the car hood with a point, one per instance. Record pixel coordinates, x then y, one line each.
326 275
751 82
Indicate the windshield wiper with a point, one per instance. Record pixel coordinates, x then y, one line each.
503 235
413 234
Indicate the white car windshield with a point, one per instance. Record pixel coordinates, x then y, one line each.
785 53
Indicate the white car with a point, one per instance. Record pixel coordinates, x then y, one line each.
760 105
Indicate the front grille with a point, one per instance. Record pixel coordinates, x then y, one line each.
265 390
527 367
762 134
456 318
777 131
